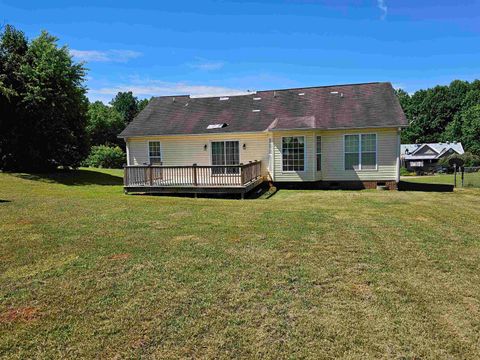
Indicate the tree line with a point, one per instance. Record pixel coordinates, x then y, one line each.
46 119
444 113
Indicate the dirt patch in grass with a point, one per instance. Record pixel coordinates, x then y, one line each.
25 314
120 256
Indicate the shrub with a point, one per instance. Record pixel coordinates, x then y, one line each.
103 156
404 171
468 158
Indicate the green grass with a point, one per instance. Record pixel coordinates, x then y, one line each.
470 180
87 272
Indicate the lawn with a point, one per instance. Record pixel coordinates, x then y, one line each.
470 179
88 272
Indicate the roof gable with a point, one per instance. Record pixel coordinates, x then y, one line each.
328 107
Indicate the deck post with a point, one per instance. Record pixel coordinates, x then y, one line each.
125 175
241 174
195 175
150 175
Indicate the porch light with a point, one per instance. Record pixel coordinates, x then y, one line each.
244 146
205 147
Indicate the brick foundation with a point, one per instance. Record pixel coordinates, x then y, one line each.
333 185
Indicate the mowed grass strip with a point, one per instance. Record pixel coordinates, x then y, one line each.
88 272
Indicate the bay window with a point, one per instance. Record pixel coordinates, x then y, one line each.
293 153
319 153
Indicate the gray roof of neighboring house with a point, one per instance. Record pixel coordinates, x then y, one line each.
324 107
408 151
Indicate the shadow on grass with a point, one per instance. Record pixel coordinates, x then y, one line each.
260 192
4 201
413 186
75 177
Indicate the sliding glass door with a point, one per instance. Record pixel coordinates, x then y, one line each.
225 153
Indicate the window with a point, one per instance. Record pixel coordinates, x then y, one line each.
361 152
270 155
369 151
293 153
225 153
319 153
154 153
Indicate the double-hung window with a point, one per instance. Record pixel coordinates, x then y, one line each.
319 153
360 152
154 153
225 153
293 153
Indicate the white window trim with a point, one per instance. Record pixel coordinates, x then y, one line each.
360 151
305 165
148 151
320 153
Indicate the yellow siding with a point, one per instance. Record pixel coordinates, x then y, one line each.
188 150
333 156
310 171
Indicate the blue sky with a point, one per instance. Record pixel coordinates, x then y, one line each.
216 47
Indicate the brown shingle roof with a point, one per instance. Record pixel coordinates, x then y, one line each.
325 107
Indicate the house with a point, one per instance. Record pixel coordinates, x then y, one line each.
339 136
425 157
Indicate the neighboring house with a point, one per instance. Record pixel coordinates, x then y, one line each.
342 135
425 157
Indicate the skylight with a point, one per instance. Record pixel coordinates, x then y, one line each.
223 98
255 110
216 126
301 94
257 98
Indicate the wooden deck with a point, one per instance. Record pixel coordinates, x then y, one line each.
194 179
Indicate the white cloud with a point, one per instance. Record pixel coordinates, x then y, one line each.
148 88
382 5
104 56
206 65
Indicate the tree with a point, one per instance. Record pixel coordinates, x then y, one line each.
43 104
127 105
439 113
104 124
13 49
142 104
471 129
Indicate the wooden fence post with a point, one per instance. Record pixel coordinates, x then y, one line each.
454 175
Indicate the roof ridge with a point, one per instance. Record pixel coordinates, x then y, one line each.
253 92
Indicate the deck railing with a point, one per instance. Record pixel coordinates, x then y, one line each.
192 176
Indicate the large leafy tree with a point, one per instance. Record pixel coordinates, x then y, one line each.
471 129
126 104
43 104
104 124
